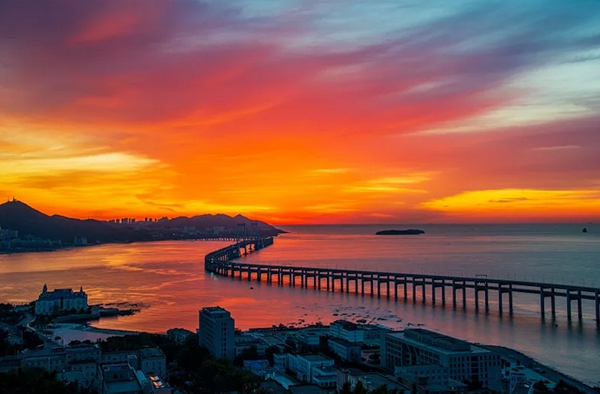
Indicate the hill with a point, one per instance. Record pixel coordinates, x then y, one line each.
31 223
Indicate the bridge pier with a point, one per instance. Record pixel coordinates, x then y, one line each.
418 282
579 309
597 300
547 294
435 283
574 297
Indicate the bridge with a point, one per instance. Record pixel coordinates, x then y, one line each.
441 288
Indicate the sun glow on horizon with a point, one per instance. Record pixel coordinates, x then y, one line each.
284 114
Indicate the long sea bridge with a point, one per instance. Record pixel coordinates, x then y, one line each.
440 288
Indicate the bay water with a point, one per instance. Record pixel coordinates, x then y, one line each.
168 282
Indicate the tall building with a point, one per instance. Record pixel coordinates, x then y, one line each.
462 361
216 332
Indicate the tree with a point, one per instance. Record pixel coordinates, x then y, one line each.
359 388
34 380
269 352
250 353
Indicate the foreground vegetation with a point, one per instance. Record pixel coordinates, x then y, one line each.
35 380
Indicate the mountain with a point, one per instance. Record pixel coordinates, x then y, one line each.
16 215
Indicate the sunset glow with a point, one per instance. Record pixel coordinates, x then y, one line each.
301 111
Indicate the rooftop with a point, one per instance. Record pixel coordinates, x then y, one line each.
344 342
437 342
216 310
148 352
377 380
62 293
125 386
315 357
347 325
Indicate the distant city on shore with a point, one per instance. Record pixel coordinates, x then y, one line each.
24 229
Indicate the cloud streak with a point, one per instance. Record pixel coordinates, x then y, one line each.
309 108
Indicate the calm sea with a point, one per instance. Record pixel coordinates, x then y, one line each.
168 281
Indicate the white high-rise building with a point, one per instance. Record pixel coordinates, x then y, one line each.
216 332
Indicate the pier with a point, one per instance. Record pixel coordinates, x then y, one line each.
439 288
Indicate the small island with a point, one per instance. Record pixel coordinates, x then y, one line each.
410 231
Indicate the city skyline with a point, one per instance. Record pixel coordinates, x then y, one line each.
303 112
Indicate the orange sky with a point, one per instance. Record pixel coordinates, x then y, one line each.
302 112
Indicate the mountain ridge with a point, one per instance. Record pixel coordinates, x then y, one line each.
31 223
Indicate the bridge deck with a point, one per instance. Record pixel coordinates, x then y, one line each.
222 262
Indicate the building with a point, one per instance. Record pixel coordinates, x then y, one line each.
216 332
303 365
347 331
121 379
152 361
243 343
60 300
464 362
325 377
347 351
372 381
179 335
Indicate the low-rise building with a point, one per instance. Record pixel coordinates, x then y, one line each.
124 356
152 361
347 351
303 364
281 361
120 379
463 361
346 330
372 381
260 368
324 377
247 342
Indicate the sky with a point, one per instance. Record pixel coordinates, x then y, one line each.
308 111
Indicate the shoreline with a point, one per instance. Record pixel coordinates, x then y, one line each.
545 372
71 247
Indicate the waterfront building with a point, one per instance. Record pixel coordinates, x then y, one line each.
308 339
373 334
347 331
60 300
464 362
216 332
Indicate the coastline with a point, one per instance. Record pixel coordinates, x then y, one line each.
516 358
539 368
